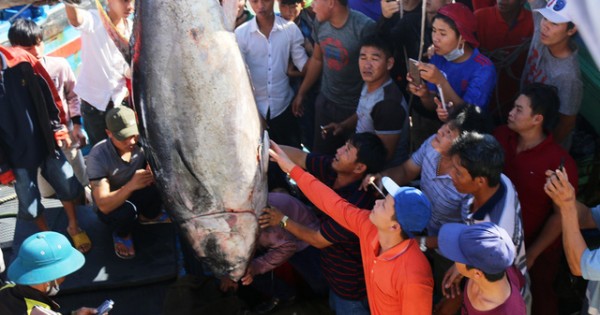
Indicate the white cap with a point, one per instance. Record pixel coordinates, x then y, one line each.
557 11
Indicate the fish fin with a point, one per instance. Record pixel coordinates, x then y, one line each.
229 14
264 154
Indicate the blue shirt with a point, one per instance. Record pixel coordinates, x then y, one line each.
590 260
447 204
473 80
590 269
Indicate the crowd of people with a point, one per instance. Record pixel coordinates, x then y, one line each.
427 143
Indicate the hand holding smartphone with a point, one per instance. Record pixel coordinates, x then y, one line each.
105 307
441 94
413 69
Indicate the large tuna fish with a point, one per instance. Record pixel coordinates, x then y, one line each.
200 127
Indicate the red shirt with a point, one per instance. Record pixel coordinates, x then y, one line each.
399 281
493 34
478 4
527 172
514 305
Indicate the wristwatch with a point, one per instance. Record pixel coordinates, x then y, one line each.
423 244
283 222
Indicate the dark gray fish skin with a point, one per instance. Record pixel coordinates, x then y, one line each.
11 3
200 128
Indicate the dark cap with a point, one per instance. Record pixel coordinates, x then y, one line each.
121 122
485 246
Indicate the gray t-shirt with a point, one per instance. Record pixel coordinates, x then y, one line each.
104 161
385 112
341 81
563 73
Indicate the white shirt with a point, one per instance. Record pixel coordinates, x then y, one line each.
267 60
103 68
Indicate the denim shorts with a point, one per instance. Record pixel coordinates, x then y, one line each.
58 172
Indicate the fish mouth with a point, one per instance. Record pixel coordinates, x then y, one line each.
225 242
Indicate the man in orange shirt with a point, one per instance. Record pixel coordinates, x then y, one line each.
397 274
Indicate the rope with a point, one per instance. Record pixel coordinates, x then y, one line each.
503 58
12 18
8 198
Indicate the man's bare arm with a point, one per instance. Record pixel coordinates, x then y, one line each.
107 200
73 15
296 155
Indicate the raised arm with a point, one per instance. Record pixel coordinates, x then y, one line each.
296 155
346 214
562 193
73 15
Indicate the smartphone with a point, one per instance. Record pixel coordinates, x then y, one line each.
561 167
441 94
414 71
105 307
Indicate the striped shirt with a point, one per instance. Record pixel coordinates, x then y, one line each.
504 209
342 261
447 204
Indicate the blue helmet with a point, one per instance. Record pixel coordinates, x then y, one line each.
43 257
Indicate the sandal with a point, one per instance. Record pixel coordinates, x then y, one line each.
162 218
81 240
127 243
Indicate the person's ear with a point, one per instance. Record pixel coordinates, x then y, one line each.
481 181
572 31
390 63
477 274
538 119
463 42
360 168
395 226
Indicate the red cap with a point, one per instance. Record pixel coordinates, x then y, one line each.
464 19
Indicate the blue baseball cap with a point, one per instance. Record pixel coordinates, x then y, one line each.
412 208
43 257
484 246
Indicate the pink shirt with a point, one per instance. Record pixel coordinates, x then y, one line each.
64 80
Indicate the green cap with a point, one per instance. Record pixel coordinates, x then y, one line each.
121 122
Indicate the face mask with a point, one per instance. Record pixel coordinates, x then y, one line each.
458 52
53 288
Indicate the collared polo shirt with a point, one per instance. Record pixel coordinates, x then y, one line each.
399 281
527 172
